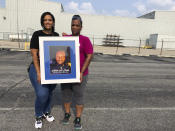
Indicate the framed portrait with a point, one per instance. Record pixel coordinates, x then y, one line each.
59 60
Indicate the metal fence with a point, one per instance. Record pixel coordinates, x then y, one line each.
134 46
125 45
10 36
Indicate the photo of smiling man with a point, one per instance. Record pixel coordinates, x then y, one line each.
60 62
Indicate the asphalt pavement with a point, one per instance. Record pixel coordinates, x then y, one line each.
124 93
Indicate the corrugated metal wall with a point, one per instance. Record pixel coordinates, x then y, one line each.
28 13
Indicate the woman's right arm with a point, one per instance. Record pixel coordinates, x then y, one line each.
34 53
64 34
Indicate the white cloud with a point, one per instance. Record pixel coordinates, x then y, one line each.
172 8
87 8
161 3
72 6
140 7
83 8
124 13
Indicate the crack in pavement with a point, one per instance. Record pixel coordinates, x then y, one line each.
12 87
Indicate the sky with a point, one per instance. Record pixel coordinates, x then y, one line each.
2 3
126 8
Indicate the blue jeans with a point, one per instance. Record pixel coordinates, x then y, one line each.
43 93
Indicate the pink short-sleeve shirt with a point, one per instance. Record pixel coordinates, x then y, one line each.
85 48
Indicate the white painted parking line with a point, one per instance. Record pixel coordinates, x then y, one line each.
133 109
100 109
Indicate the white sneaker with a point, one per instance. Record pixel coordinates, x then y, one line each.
38 123
49 117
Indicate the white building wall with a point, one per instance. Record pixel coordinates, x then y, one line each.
127 28
165 15
99 26
29 13
159 41
2 20
130 29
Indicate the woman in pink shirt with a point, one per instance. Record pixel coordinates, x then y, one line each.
77 89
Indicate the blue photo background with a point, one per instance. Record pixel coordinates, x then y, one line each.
48 75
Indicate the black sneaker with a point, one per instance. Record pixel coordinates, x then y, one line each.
77 123
66 118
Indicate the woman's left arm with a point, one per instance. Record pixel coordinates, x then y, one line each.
86 64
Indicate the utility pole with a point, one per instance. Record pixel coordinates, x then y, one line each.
17 23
